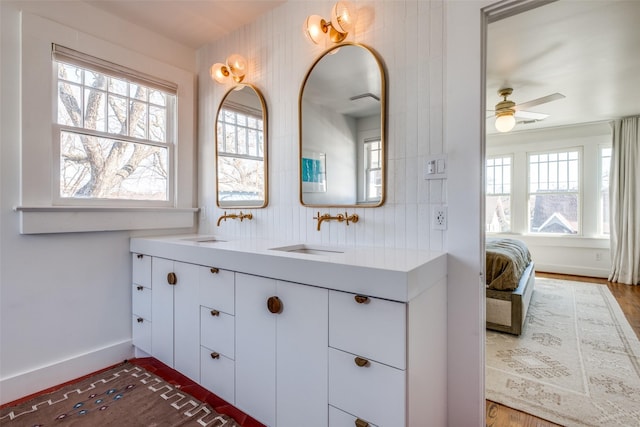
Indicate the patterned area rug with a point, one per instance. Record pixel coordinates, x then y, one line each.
127 395
577 362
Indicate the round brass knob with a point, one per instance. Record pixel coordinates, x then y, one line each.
172 279
361 299
362 362
361 423
274 305
215 355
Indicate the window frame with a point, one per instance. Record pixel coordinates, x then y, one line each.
509 156
600 218
580 182
36 207
367 170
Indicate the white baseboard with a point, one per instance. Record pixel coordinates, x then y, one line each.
574 271
26 383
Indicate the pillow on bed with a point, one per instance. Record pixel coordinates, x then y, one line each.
506 261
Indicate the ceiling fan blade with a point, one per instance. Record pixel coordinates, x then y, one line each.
543 100
529 115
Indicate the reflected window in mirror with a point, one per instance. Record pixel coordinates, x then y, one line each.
241 149
342 129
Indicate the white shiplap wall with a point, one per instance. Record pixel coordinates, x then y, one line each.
408 35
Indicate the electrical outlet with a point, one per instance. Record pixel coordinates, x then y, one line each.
439 218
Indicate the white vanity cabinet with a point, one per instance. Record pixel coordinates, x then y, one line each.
336 339
176 315
217 331
141 302
281 351
367 357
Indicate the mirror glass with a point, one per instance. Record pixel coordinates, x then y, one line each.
241 149
342 129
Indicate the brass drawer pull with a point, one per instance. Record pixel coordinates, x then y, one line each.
215 313
140 288
361 361
140 256
215 270
361 299
361 423
172 279
274 305
215 355
140 320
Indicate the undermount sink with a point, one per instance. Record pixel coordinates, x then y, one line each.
309 250
204 239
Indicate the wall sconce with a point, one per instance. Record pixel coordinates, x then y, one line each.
234 69
343 19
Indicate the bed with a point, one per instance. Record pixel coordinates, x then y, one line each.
510 275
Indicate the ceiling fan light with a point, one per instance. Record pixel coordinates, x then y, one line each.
505 122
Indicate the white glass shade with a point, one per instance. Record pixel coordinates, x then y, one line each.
219 73
343 17
505 123
237 65
314 28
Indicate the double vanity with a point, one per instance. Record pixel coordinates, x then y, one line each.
298 334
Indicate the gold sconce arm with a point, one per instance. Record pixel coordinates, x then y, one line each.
340 218
241 216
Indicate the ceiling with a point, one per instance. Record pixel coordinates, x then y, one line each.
193 23
588 51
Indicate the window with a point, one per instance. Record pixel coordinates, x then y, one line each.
605 165
373 170
554 192
498 201
240 155
114 133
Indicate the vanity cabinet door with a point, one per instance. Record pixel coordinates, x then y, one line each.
255 348
175 335
281 351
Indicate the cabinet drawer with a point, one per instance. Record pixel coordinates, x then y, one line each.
141 270
141 333
374 392
217 374
217 289
374 329
338 418
217 330
141 301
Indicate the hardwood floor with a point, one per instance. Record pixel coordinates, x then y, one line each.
628 298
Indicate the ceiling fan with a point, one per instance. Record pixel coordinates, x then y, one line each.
506 111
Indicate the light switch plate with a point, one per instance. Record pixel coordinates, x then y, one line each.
435 167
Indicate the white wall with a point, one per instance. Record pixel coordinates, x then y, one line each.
408 35
424 81
65 299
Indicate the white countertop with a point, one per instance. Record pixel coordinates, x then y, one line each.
395 274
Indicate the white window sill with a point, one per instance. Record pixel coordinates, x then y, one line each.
73 219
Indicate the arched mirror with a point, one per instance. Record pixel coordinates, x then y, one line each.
342 129
241 149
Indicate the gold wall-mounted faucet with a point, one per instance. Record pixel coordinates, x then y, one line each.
241 216
340 218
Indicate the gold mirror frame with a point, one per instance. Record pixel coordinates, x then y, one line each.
382 134
259 203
